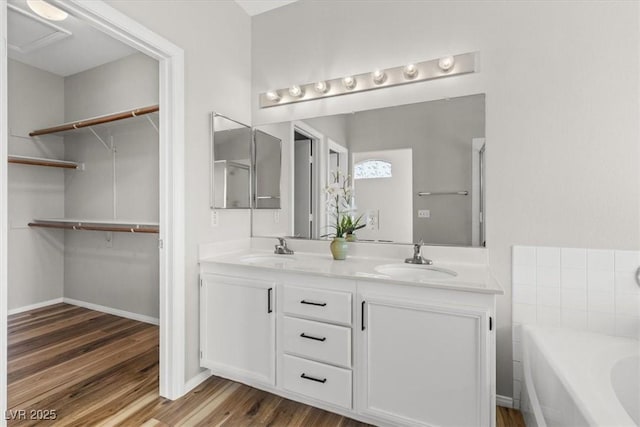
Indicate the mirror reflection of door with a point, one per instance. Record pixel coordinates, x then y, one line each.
383 189
304 182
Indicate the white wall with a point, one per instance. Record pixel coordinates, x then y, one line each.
35 257
117 270
561 84
215 36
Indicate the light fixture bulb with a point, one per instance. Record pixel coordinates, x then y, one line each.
379 76
349 82
446 63
322 87
47 11
296 91
410 71
273 96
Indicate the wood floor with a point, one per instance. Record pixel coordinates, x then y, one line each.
84 368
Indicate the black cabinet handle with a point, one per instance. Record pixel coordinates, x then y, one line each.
319 304
318 380
362 315
303 335
269 309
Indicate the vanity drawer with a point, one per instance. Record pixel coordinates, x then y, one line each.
318 341
330 306
317 380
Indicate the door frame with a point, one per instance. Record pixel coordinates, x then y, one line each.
317 139
172 216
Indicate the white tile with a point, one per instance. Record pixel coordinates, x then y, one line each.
601 280
573 278
548 276
627 326
574 319
627 260
574 258
602 302
626 282
524 313
549 297
549 316
602 323
574 299
600 259
524 275
628 304
517 371
524 255
548 257
524 294
517 351
516 332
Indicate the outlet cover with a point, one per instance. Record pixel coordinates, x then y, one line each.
424 213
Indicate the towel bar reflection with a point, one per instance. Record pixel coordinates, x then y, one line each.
443 193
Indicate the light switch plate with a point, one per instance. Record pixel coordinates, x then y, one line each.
214 218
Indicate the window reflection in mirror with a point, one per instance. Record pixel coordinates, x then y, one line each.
230 164
416 172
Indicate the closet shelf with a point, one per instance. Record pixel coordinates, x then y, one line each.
40 161
97 225
96 120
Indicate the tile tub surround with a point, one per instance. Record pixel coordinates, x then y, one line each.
585 289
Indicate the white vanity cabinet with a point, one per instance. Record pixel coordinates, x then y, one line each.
238 328
382 352
423 358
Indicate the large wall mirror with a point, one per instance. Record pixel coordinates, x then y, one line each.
416 173
231 167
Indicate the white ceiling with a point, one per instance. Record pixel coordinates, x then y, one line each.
64 47
72 46
255 7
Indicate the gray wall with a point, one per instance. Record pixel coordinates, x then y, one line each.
216 38
562 124
118 270
35 259
440 134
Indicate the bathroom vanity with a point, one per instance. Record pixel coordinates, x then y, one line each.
371 338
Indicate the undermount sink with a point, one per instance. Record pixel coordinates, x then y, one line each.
415 272
274 260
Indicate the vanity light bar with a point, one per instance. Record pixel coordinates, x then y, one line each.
411 73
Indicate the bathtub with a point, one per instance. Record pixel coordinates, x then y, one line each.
574 378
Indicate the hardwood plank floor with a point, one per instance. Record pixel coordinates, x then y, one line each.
92 368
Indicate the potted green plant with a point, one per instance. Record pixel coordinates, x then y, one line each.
339 195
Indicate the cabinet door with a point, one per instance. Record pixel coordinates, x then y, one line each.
423 364
237 328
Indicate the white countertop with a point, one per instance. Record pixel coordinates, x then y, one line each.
470 277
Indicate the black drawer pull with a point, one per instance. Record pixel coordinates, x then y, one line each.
303 335
306 377
319 304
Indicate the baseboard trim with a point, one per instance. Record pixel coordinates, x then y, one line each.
195 381
504 401
114 311
34 306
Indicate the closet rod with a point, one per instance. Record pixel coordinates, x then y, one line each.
97 120
82 227
37 161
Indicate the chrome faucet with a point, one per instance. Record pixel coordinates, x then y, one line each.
417 257
281 248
